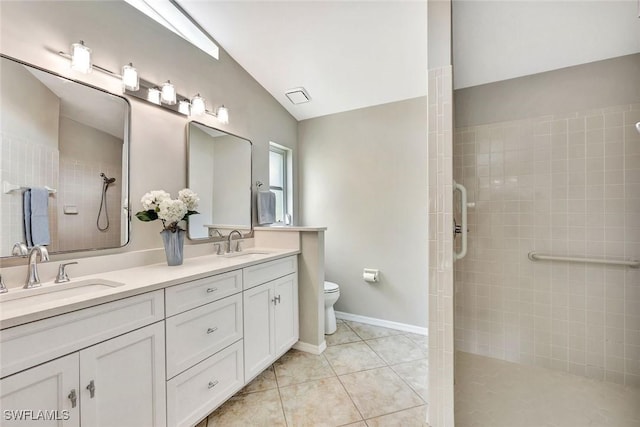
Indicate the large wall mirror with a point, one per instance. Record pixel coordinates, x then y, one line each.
69 141
219 170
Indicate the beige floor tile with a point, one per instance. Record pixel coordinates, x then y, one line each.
346 358
397 349
297 367
318 403
265 381
358 424
342 335
379 391
262 408
421 340
414 417
416 374
367 332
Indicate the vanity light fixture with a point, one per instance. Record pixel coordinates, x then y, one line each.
221 113
184 107
81 57
168 93
130 78
153 95
164 95
198 105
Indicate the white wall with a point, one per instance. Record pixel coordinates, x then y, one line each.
118 34
499 40
363 174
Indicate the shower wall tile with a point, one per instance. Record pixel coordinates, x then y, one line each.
441 305
567 185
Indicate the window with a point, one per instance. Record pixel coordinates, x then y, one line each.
280 181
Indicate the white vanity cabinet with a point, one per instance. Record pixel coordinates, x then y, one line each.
270 313
119 381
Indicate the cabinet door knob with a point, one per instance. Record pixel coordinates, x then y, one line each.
73 397
211 330
92 389
212 384
209 290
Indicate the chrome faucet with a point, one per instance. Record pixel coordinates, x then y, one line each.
229 240
3 288
19 249
33 280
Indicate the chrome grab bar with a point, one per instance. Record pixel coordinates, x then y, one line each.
534 256
463 225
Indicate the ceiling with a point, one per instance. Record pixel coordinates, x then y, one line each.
346 54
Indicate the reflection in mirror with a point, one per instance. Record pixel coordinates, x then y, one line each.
70 140
219 170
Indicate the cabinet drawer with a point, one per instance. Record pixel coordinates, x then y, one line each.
30 344
196 334
193 294
265 272
196 392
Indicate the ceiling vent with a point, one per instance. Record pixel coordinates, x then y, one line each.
298 95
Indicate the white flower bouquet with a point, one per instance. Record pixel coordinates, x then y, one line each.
158 204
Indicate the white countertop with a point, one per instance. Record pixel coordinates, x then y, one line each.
288 228
136 281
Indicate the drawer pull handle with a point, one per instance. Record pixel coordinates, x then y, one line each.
209 290
212 384
92 389
73 397
212 330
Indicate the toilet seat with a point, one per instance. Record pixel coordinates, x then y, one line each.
330 288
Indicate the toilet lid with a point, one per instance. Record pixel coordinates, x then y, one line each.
330 287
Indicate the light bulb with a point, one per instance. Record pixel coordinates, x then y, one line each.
154 95
81 58
198 106
130 80
183 106
223 115
168 93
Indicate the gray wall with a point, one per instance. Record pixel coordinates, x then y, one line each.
610 82
364 176
119 34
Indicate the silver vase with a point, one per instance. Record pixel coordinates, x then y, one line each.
173 246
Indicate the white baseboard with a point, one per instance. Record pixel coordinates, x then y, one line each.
384 323
310 348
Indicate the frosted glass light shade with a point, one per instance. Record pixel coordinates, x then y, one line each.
81 58
198 106
183 107
168 93
154 95
130 80
223 115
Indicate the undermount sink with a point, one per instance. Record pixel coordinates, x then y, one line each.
21 298
249 253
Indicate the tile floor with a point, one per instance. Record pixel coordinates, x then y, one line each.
367 376
495 393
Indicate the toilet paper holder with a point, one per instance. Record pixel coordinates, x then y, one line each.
371 275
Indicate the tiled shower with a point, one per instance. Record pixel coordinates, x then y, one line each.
564 184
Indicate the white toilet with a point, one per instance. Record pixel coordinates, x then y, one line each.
331 295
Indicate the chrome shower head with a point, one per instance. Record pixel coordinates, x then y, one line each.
106 179
638 127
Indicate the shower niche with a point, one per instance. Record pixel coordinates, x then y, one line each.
73 139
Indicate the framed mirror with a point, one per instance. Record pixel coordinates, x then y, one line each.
65 162
219 170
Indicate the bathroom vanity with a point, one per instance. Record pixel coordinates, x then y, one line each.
165 348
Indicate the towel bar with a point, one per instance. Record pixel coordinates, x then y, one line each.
533 256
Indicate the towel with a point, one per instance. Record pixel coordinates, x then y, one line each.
266 207
26 216
40 216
